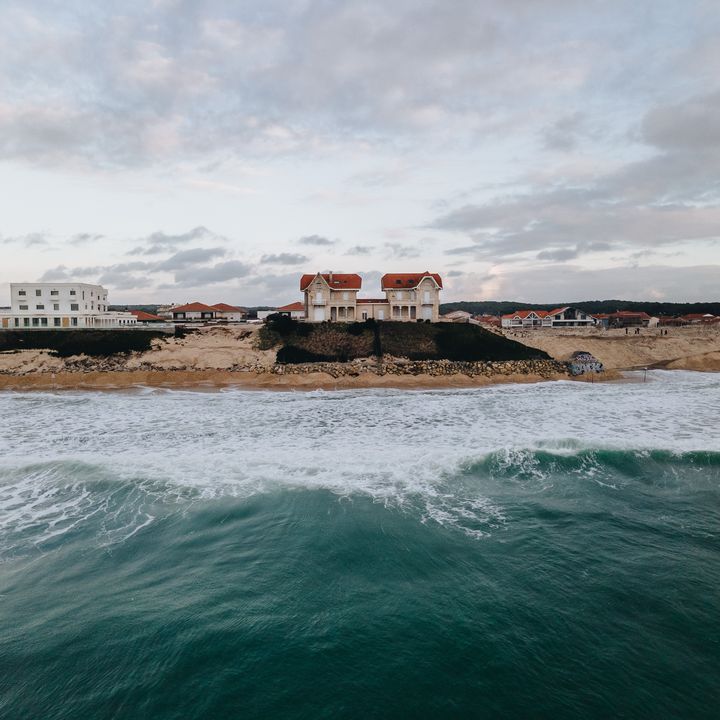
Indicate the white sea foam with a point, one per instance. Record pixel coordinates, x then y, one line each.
401 448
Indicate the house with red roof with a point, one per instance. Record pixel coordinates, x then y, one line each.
558 318
230 313
146 317
408 297
194 311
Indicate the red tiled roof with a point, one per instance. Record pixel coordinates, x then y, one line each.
698 316
224 307
372 301
407 280
558 310
143 316
524 313
194 307
292 307
340 281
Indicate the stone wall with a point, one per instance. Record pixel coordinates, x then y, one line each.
400 366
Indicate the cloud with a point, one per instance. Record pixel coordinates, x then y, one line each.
29 240
120 275
191 257
691 125
284 259
570 284
360 250
160 242
669 198
317 240
399 250
565 133
85 238
222 272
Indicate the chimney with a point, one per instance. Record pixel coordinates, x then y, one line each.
330 283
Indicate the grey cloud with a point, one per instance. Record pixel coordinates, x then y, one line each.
318 240
691 125
669 198
285 259
255 78
569 284
196 277
120 275
561 254
85 238
63 273
160 242
402 251
565 132
191 257
28 240
360 250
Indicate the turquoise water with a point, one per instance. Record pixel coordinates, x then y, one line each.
544 551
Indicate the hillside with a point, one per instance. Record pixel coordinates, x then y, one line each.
305 342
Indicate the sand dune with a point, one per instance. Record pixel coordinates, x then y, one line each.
690 348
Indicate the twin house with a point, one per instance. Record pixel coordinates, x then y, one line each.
408 297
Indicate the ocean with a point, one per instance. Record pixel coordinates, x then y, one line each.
517 551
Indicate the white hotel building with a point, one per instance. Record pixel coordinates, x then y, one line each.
61 305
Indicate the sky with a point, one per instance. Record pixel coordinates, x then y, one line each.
215 150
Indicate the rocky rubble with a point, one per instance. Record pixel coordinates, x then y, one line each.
433 368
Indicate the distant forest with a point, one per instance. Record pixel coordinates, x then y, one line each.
655 309
492 307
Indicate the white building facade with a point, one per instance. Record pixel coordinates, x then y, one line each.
61 305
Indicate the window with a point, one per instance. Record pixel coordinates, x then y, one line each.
35 322
74 306
21 292
43 322
346 296
17 322
72 292
83 292
73 321
38 293
26 321
56 306
39 307
23 307
56 322
54 292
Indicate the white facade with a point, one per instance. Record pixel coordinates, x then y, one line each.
61 305
409 297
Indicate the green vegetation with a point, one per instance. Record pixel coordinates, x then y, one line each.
64 343
592 306
307 342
